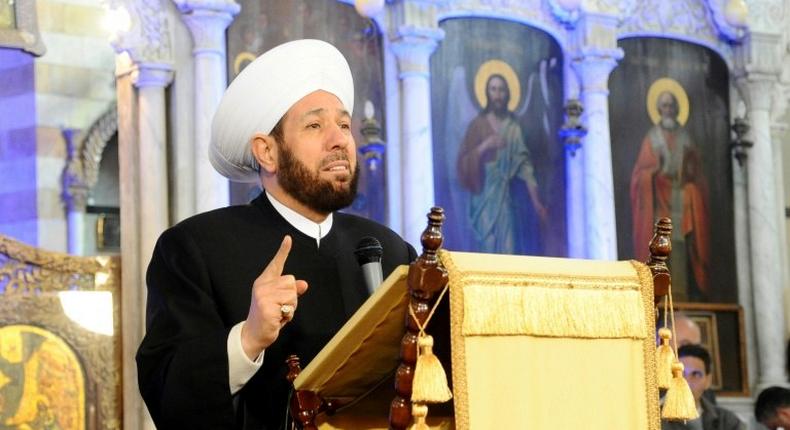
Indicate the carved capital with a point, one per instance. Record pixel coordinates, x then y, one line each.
414 14
757 69
767 16
415 35
149 38
593 67
76 197
207 21
595 32
151 75
756 90
413 54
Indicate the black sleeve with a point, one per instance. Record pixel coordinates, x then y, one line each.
182 362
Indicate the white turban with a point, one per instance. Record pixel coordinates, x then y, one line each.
264 91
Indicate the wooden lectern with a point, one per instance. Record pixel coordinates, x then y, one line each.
529 342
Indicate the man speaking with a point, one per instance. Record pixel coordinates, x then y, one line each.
234 291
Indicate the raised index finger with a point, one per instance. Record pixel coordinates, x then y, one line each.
276 265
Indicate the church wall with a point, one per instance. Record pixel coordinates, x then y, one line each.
72 84
69 87
18 211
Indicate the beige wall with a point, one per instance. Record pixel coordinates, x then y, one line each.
74 85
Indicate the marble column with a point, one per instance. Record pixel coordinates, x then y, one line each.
76 203
593 66
207 21
151 81
778 131
413 46
764 232
743 263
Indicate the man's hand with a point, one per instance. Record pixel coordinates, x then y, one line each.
270 291
492 142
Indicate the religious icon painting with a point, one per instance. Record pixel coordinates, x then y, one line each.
42 385
498 164
671 158
255 30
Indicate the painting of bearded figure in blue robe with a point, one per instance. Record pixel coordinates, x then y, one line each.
499 168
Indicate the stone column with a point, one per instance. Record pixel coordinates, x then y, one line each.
75 195
76 203
151 81
143 71
207 21
758 76
778 131
743 263
414 38
595 57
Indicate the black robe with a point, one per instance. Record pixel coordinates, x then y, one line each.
199 285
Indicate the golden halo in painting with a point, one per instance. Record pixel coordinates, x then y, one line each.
671 86
497 67
241 61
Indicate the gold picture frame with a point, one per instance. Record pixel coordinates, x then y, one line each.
723 335
19 28
54 299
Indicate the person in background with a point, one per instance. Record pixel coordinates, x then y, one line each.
697 371
772 408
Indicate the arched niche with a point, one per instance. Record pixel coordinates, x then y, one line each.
496 195
699 196
91 188
262 25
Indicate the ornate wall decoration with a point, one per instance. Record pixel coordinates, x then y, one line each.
31 281
149 40
728 31
93 143
685 19
532 12
613 7
767 16
84 157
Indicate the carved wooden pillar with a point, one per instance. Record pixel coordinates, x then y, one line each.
426 277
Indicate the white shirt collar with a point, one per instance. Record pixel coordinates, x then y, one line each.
302 223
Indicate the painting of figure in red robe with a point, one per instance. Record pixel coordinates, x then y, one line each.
671 159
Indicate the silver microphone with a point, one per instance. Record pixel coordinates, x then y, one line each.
369 254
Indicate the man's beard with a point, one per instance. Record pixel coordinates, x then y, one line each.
309 189
668 123
498 108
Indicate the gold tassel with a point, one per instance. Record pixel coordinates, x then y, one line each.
419 413
430 380
664 359
679 403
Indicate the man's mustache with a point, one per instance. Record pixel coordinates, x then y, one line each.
335 156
